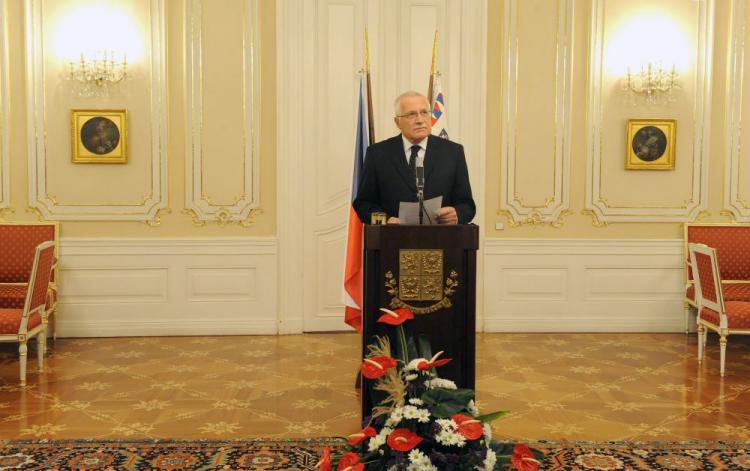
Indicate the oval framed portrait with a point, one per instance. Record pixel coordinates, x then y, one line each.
99 136
650 144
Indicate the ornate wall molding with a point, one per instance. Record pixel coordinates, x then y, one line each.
40 201
597 204
4 113
736 162
554 209
200 205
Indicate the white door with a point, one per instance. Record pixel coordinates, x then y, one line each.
316 146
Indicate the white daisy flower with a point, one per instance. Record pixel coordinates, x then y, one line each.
440 383
487 429
379 440
489 461
423 416
416 401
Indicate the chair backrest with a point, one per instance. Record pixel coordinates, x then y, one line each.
17 244
41 273
705 268
732 244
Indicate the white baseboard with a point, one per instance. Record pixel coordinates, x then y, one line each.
197 286
583 285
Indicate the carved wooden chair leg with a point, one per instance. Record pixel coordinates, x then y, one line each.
41 346
723 347
701 342
22 353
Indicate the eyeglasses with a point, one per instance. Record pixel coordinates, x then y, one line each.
412 115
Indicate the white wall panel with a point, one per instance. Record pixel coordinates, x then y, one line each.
222 199
136 206
536 119
4 112
736 174
113 285
585 285
227 283
530 283
121 287
609 187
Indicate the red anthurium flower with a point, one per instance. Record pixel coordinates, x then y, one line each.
469 427
374 368
350 462
357 438
397 317
433 363
325 460
523 459
403 439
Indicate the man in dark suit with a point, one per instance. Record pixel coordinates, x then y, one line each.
389 173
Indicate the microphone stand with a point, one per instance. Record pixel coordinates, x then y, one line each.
420 196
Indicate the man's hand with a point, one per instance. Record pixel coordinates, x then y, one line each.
393 220
447 215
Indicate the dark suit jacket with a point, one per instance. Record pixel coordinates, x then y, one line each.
387 180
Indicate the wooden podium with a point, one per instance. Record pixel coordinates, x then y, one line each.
431 270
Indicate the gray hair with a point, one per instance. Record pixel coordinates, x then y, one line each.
397 102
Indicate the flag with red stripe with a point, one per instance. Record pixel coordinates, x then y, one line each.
353 266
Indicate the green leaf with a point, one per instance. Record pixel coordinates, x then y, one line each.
492 416
447 402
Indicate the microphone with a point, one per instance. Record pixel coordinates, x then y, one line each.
420 187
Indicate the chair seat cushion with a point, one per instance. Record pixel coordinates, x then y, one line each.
731 291
738 315
13 296
10 321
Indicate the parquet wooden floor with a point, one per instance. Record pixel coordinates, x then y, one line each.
557 386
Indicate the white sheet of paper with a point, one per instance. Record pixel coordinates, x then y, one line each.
408 213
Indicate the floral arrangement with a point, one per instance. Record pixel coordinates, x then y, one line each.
422 421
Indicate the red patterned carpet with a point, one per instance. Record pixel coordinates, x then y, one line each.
269 455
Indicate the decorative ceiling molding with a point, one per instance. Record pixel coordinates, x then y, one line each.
597 204
198 203
4 112
40 201
736 162
555 207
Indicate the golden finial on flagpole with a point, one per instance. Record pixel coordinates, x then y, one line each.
433 69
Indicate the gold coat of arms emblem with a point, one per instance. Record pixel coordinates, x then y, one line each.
421 279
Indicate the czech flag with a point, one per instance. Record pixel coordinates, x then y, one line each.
353 267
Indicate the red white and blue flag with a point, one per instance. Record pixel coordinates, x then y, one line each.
439 119
353 266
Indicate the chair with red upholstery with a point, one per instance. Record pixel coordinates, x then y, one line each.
714 313
17 243
732 244
19 325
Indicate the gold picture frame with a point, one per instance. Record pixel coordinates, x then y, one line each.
99 136
650 144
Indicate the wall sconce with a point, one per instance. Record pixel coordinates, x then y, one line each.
653 83
98 72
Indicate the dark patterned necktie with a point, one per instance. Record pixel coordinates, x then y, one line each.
413 159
